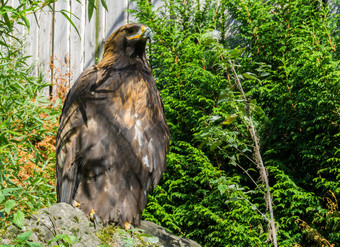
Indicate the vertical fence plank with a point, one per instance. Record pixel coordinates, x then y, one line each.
31 45
115 17
89 39
130 17
60 52
100 31
77 52
44 42
61 30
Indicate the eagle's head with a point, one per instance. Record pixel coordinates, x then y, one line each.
127 42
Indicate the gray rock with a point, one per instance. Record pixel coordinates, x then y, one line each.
78 230
165 238
62 218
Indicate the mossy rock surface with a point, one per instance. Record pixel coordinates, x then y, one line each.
58 220
63 224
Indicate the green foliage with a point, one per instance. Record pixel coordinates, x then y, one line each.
13 15
203 195
28 121
287 60
27 124
300 96
65 240
22 240
92 5
25 163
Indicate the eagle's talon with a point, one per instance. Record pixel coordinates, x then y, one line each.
94 218
76 204
128 226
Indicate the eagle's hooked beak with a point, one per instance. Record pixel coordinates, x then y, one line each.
145 33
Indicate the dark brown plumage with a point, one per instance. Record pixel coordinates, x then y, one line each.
113 137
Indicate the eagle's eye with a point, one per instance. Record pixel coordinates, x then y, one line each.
129 31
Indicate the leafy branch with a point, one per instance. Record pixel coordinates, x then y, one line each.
258 157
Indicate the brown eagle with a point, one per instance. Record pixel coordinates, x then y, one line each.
113 137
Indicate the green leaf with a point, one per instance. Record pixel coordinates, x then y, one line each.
236 53
210 37
249 76
3 44
34 244
7 21
73 239
230 119
19 219
24 236
91 7
68 239
57 237
9 205
222 188
27 22
2 198
14 133
264 74
104 4
232 199
64 13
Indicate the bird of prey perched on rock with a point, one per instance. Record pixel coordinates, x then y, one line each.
113 137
